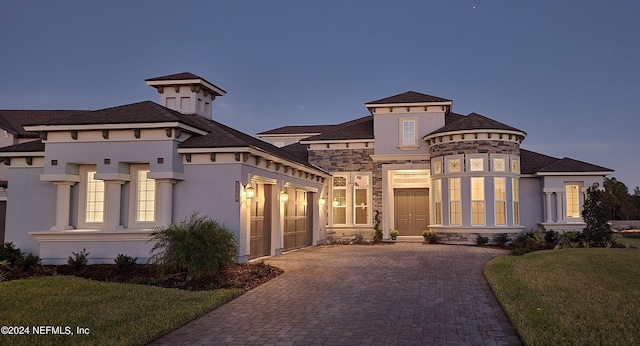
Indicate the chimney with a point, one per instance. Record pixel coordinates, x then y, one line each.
186 93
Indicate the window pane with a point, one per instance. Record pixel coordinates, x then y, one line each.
501 215
498 165
408 132
339 181
145 197
573 201
361 206
477 201
94 206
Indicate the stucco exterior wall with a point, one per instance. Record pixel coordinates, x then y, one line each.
531 203
388 126
31 207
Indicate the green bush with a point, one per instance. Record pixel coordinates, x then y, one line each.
501 239
197 245
430 237
125 263
377 236
16 258
78 260
480 240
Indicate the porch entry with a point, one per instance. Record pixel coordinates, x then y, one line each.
261 222
411 211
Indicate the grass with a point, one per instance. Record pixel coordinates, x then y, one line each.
629 239
571 296
114 313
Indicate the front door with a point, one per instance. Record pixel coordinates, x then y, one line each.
411 211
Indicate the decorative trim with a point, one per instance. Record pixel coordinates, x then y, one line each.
93 235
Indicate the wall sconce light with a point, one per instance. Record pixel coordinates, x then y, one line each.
249 191
323 200
284 196
335 202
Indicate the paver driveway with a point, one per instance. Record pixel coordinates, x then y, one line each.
405 293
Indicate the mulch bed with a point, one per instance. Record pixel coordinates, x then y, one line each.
242 276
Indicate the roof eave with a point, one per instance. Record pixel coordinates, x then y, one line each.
214 89
594 173
408 104
117 126
459 132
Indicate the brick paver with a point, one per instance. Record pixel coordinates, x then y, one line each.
400 294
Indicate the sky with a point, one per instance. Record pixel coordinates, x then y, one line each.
566 72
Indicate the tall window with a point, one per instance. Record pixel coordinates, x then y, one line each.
145 197
408 132
500 194
361 205
515 195
94 198
437 197
573 201
477 201
454 202
339 200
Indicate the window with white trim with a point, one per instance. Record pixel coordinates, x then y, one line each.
437 200
142 197
453 166
93 195
477 201
500 196
515 196
499 164
351 199
455 207
339 203
572 197
476 164
408 132
515 165
145 197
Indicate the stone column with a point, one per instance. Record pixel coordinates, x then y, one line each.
63 205
547 202
113 193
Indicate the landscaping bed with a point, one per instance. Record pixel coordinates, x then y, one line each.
240 276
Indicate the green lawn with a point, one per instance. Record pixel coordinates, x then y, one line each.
571 296
114 314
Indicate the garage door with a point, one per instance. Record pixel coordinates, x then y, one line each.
261 222
297 221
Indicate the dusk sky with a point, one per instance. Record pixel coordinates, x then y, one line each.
566 72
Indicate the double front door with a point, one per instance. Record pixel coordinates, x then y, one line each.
411 211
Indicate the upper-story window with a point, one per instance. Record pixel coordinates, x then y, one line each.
476 164
499 164
437 167
515 166
453 166
408 132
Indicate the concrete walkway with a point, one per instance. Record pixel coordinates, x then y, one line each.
399 294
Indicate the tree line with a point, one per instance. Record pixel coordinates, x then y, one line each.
618 202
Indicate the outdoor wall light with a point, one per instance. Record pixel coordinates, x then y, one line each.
284 196
322 200
249 191
335 202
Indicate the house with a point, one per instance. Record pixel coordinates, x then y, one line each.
425 167
102 180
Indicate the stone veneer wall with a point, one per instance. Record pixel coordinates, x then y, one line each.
475 147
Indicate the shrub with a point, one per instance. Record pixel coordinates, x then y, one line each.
394 233
480 240
16 258
597 232
78 260
124 262
10 253
197 245
377 236
429 236
501 239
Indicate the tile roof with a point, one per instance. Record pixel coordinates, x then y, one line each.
182 76
13 120
26 147
409 97
361 128
532 163
475 121
298 129
297 149
141 112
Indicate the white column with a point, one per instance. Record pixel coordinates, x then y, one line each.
164 201
559 204
113 194
547 202
63 205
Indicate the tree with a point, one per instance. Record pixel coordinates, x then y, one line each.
597 231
